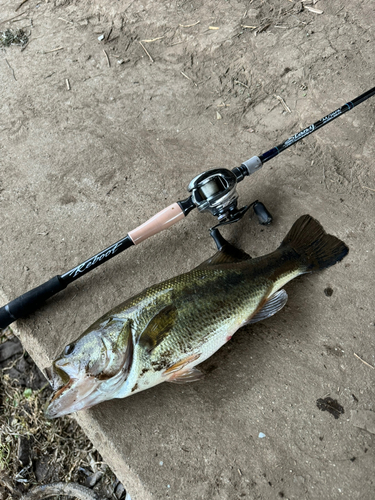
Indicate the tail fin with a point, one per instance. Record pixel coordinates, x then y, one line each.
316 248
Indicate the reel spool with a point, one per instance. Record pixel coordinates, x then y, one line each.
215 191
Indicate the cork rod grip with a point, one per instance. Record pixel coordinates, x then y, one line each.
159 222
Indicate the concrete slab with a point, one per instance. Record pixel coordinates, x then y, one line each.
90 150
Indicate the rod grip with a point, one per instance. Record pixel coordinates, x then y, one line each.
162 220
29 301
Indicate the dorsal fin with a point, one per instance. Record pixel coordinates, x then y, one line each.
158 327
229 254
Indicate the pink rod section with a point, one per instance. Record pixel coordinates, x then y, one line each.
159 222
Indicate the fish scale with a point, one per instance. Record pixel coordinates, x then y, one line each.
203 325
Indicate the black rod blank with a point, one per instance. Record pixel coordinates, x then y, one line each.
315 126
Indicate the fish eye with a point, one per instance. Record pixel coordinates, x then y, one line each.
69 349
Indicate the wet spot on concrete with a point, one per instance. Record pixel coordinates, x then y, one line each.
330 405
210 368
67 199
334 350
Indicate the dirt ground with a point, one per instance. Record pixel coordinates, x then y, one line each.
107 113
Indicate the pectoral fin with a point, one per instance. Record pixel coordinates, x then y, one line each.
276 302
158 328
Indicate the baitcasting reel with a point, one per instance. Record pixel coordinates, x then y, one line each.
215 191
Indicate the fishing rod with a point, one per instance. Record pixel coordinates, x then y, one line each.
213 191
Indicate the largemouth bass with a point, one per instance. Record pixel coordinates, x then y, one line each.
162 333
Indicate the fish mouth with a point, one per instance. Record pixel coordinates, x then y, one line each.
56 377
80 390
71 394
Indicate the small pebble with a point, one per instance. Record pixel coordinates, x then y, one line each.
10 348
328 291
93 479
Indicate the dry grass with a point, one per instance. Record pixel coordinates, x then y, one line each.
13 37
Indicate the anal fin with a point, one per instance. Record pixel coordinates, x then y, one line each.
273 305
186 376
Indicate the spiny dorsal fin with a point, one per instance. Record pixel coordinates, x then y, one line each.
229 254
158 328
186 376
276 302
